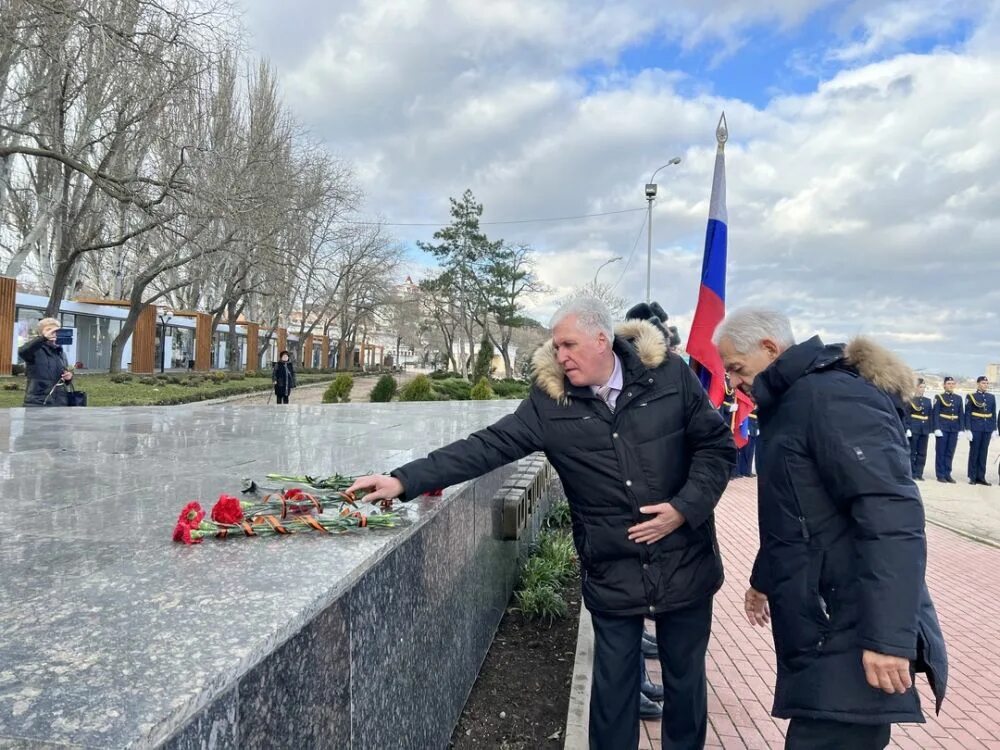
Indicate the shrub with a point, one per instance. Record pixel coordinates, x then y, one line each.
559 516
120 377
339 390
384 389
510 388
11 386
482 391
17 369
218 376
454 389
418 389
557 550
148 380
484 360
538 572
542 603
443 375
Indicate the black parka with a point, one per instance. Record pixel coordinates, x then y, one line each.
843 551
664 442
283 376
44 365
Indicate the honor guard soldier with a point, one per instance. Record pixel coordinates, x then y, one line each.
947 420
918 428
981 422
727 409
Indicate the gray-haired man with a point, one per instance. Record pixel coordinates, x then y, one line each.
643 457
842 555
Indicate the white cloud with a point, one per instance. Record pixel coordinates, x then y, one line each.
866 205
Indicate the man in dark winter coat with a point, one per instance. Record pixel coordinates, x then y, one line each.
643 457
45 367
842 549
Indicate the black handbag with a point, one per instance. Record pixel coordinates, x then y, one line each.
75 397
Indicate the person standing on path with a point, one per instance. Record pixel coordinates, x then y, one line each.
981 422
283 377
947 419
46 367
843 554
919 412
644 458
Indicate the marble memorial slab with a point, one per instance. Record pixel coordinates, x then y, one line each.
112 636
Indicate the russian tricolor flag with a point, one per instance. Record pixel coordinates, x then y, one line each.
711 307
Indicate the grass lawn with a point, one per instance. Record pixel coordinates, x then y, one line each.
153 390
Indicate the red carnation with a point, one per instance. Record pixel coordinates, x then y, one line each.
192 515
434 493
227 510
182 533
294 494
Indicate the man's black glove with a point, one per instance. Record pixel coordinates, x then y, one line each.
655 314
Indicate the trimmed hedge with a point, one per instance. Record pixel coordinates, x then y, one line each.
418 389
482 391
339 391
384 389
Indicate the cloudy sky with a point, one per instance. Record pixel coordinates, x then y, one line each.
862 163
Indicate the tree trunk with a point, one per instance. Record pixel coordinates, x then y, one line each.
233 361
60 280
118 345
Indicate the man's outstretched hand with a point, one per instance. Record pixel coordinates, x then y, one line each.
380 487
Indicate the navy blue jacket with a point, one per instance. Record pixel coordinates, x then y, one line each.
980 412
948 412
843 552
919 415
44 365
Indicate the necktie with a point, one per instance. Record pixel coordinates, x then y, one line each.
604 393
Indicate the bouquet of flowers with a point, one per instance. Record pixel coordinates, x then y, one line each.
281 511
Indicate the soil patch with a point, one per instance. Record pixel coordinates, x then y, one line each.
521 697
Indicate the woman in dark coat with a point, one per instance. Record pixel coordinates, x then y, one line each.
45 366
283 377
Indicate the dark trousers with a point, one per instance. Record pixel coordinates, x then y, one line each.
819 734
281 395
918 454
682 640
978 451
744 458
944 453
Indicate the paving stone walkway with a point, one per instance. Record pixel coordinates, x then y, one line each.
964 579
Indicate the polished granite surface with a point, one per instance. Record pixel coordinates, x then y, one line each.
113 636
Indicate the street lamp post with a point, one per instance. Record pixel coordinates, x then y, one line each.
164 317
605 263
650 195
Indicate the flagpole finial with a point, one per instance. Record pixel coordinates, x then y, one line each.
722 131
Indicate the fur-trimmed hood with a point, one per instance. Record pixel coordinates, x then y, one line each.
881 367
643 336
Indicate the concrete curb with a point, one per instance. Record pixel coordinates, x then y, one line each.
961 532
578 715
